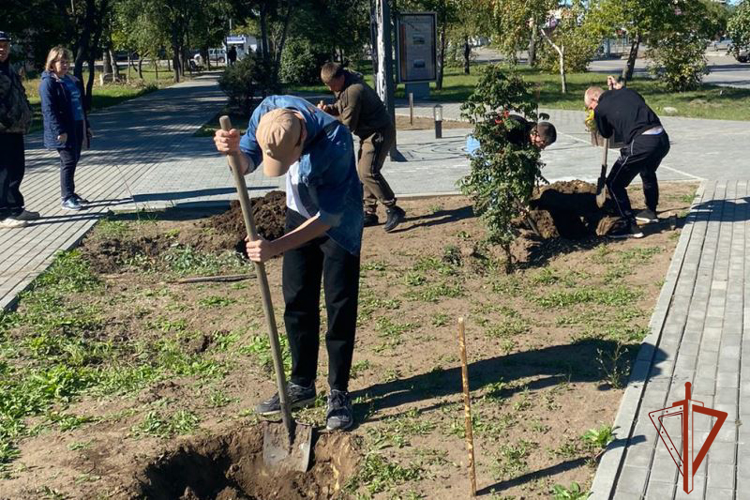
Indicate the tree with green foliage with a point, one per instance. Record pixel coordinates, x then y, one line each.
679 58
475 22
573 42
738 27
503 175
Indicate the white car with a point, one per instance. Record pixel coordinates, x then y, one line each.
215 55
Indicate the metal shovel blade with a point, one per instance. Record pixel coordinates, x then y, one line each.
280 454
601 188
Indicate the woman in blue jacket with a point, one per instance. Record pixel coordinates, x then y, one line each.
66 127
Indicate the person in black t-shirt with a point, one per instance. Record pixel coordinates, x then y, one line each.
624 114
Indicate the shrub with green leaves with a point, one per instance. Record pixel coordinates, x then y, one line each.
247 79
301 62
503 175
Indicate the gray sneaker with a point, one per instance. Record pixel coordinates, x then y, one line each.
71 204
299 397
340 414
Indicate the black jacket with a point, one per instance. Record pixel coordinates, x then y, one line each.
625 114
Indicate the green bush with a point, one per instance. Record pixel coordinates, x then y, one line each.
301 62
502 175
679 62
247 79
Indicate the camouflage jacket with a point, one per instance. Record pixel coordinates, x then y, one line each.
15 110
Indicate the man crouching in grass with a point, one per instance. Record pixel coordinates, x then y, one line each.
323 236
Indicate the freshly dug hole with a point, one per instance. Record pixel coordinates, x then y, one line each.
231 466
564 209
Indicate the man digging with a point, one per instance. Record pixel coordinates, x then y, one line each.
361 110
622 112
323 236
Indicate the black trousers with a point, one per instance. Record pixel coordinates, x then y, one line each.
641 157
303 269
12 168
69 157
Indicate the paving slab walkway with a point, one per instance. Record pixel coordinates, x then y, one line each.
130 141
698 334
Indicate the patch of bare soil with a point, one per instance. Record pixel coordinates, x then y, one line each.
548 348
422 123
230 466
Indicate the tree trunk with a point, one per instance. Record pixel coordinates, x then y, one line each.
634 46
532 43
441 58
156 68
107 67
140 68
467 56
115 69
264 32
280 48
96 40
563 78
176 54
561 52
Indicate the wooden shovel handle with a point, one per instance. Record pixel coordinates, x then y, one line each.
265 291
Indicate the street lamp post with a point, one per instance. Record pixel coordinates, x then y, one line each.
437 115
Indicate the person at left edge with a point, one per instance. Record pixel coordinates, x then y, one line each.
15 121
323 237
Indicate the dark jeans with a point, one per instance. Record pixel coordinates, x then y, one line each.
69 156
641 157
303 268
12 168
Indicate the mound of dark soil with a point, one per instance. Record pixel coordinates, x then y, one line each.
565 209
269 213
231 466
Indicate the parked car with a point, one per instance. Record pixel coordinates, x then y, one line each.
742 55
722 45
215 56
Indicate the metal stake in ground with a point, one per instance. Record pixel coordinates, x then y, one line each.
291 449
467 406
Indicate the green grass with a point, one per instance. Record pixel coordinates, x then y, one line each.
711 101
56 348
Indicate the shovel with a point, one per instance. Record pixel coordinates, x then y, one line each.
601 183
287 448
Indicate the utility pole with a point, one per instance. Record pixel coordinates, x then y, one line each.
384 76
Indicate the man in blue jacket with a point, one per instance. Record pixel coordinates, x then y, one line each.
324 221
15 121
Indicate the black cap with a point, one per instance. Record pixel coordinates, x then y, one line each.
4 37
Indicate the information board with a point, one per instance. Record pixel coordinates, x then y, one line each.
416 47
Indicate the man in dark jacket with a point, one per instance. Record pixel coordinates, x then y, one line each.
15 121
624 114
359 108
